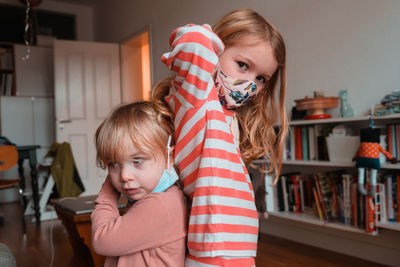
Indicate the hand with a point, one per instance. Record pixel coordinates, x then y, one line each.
393 160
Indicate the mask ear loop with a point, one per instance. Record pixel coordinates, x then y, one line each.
168 149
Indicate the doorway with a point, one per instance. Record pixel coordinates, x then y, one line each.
135 67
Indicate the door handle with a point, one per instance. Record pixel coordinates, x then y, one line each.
62 122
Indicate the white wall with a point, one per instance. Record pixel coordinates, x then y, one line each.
331 45
84 15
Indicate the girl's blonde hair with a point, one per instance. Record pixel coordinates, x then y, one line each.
257 118
138 122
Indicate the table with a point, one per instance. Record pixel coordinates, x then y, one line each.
29 152
79 230
80 235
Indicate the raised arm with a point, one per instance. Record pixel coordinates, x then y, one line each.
193 56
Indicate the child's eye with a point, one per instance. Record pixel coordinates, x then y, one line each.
138 161
112 165
260 79
242 65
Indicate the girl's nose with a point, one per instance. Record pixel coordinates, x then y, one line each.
127 174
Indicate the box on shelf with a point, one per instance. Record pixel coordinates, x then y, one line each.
342 148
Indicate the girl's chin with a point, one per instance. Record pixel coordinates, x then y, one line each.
135 194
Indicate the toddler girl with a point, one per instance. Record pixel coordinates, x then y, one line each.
132 143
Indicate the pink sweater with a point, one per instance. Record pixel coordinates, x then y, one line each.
151 233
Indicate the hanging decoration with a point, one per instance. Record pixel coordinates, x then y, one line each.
29 28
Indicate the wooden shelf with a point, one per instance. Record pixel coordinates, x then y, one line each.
389 225
311 219
343 120
326 163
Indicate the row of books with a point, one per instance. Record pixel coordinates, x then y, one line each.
393 139
307 143
334 197
6 59
6 84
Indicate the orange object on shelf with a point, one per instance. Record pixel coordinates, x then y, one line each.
316 106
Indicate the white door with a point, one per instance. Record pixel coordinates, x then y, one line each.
87 87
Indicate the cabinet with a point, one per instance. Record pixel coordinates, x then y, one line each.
379 246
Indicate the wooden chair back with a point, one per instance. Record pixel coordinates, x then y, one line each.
8 157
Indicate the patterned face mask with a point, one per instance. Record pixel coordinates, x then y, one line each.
232 92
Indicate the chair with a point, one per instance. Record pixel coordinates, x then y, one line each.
8 159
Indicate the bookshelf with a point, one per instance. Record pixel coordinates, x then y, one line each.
315 166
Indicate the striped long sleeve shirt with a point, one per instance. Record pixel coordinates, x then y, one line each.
223 219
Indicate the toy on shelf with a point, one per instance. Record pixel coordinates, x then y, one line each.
316 106
367 157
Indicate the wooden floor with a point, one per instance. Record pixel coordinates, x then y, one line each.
35 248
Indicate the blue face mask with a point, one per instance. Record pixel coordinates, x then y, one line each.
169 176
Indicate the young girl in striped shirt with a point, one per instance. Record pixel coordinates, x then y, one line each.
223 102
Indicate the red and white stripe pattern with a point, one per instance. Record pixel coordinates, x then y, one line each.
223 219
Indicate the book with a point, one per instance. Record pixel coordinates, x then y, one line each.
290 193
370 225
295 179
346 199
395 197
320 197
304 142
398 141
311 143
284 193
354 207
298 143
292 143
390 206
398 197
317 204
279 191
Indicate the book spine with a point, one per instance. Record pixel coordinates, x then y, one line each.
398 141
389 139
296 193
398 197
292 143
390 208
395 198
346 199
298 144
394 143
311 143
304 142
354 208
285 193
301 184
370 225
320 197
317 204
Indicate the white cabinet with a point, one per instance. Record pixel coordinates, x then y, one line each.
34 76
28 121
